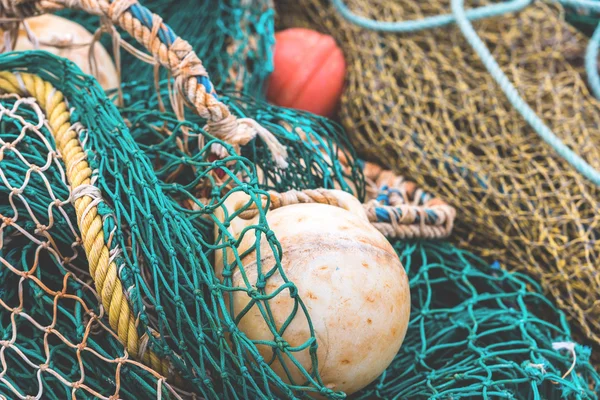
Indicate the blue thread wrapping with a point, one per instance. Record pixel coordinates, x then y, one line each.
167 36
383 215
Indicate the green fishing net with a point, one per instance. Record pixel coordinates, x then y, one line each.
319 153
475 330
424 104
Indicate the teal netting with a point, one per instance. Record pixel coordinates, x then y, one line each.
476 332
57 307
319 154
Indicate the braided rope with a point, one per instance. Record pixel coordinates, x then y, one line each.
192 83
397 208
85 198
400 209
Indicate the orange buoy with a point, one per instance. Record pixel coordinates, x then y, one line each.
309 71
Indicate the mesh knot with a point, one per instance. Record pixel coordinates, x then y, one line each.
254 294
178 300
227 271
281 344
261 283
270 235
293 291
535 371
325 390
215 290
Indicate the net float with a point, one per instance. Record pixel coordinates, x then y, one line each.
345 271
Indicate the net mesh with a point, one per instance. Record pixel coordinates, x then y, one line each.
319 153
426 97
55 339
474 330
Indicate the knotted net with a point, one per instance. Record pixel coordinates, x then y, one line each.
158 187
424 104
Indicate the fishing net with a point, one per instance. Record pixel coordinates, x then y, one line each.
473 328
149 257
423 103
319 154
107 248
476 332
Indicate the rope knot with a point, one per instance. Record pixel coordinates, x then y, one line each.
189 63
253 294
240 131
281 344
325 390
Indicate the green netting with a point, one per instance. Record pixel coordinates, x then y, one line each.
22 334
233 38
319 153
476 332
164 250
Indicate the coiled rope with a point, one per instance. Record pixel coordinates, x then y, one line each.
396 207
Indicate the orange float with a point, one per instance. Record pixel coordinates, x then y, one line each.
309 71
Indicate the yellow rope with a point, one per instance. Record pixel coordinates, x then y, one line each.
102 270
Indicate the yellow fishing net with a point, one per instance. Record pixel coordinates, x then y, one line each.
424 104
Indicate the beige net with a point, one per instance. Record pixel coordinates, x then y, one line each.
423 104
55 341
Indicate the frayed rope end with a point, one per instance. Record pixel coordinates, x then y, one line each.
239 132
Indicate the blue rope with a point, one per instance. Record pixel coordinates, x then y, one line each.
428 22
167 36
383 215
591 62
517 102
